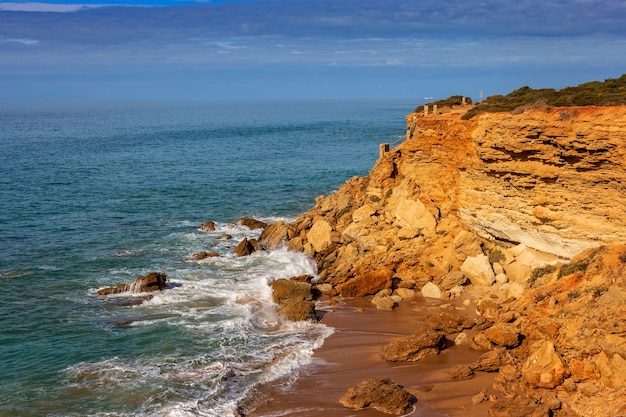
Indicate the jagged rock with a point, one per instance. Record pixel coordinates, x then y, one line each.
478 270
490 361
612 370
430 290
453 279
252 223
413 217
294 299
320 235
503 334
274 235
544 367
382 394
247 247
413 348
448 322
204 255
154 281
208 226
480 397
367 284
488 308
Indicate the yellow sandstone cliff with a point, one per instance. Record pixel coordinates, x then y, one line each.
502 202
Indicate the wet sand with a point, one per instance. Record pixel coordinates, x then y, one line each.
353 354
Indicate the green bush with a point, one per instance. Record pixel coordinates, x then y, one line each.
496 256
539 272
573 267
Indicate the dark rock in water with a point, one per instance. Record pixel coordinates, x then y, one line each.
294 299
382 394
203 255
252 223
154 281
208 226
274 235
413 348
247 247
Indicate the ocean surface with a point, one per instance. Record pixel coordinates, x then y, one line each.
94 194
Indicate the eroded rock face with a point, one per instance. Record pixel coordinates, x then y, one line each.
382 394
154 281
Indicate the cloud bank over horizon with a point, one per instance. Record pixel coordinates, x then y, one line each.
305 48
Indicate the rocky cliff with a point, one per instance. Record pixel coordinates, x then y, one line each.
501 202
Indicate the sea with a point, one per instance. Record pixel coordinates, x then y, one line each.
94 194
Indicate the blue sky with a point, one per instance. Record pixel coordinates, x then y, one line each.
305 48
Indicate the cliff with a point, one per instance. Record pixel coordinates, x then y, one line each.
526 209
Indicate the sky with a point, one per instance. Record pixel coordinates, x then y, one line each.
304 49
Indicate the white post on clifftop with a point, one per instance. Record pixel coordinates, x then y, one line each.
425 109
383 149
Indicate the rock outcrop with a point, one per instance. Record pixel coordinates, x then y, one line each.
382 394
154 281
502 203
294 299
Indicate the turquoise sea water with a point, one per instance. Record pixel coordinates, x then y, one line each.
93 194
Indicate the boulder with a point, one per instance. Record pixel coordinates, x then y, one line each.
544 367
453 279
478 270
208 226
320 235
518 408
247 247
294 299
413 217
382 394
448 322
252 224
503 334
430 290
491 361
367 284
385 302
405 293
154 281
413 348
274 235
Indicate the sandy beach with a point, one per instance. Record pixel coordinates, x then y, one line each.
353 354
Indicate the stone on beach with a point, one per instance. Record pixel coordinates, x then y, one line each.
382 394
294 299
413 348
247 247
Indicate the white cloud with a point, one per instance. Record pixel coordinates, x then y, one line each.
23 41
44 7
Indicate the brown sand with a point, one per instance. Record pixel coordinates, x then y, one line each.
353 354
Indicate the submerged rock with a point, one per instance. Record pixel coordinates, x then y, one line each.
154 281
252 224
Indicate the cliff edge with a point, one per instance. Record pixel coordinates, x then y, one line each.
525 206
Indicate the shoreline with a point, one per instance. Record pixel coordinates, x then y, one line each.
353 353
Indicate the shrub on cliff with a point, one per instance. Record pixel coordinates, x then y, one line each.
611 92
448 102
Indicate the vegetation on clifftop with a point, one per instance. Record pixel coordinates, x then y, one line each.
611 92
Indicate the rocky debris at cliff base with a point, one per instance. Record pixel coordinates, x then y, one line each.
295 299
154 281
382 394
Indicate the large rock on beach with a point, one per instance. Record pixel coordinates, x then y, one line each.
154 281
274 235
294 299
413 348
382 394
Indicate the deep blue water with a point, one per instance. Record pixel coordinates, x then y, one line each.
93 194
